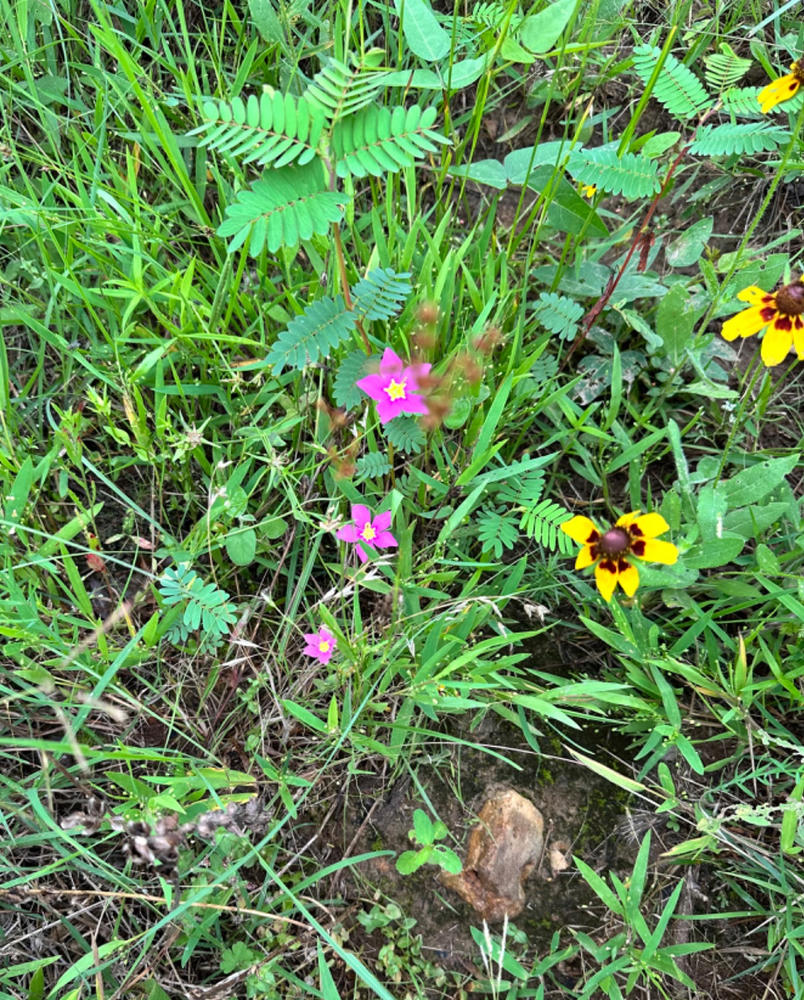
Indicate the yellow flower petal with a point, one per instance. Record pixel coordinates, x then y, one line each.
652 525
627 519
580 529
754 295
744 324
777 91
629 580
776 346
585 558
798 343
659 551
606 581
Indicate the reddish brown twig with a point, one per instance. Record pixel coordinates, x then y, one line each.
642 240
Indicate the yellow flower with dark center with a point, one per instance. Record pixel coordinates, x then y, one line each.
610 552
780 311
588 190
782 89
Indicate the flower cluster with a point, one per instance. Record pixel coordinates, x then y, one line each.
781 312
610 552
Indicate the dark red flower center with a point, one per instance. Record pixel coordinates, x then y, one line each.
615 542
790 299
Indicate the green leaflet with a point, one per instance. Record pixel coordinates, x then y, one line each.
283 207
677 87
628 174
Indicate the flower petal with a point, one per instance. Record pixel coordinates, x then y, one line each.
391 363
798 342
387 408
777 91
382 522
659 551
755 296
606 578
627 519
385 540
776 346
372 385
361 515
628 579
652 525
585 558
348 533
580 529
745 323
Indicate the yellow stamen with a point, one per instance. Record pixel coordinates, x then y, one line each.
323 646
396 390
368 533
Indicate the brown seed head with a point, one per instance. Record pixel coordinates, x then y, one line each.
790 299
427 314
614 542
488 340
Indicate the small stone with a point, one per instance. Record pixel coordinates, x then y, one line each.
503 850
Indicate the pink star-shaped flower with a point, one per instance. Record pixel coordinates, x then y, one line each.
365 531
395 387
320 644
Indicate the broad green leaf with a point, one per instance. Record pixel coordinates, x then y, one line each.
714 552
447 859
541 31
756 482
688 247
423 33
304 715
422 827
241 546
265 20
675 321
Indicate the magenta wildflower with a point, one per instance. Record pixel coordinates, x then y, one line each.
320 644
395 387
367 531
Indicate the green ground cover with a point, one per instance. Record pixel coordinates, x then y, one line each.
396 401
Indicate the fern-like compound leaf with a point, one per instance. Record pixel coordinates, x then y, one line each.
381 294
345 390
285 206
725 68
405 434
338 91
313 334
492 15
205 605
677 87
745 137
742 101
496 531
372 465
558 313
541 522
272 128
628 174
377 140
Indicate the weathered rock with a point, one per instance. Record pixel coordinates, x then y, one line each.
502 851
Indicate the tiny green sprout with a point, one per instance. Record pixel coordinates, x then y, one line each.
424 833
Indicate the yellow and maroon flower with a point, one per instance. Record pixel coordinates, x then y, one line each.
782 89
780 311
610 552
